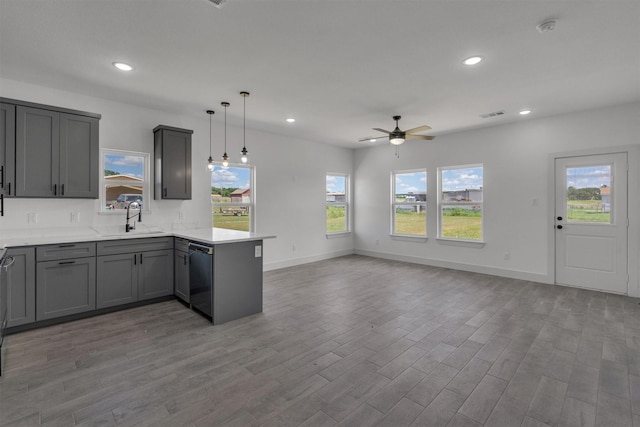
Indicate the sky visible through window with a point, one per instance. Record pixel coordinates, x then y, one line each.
336 184
462 179
589 176
411 182
230 177
125 165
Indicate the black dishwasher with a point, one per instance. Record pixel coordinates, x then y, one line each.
201 278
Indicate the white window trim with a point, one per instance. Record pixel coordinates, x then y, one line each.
392 233
251 205
473 242
146 184
346 204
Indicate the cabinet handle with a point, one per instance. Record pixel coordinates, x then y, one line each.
1 204
55 189
67 246
185 259
66 262
9 188
140 259
62 190
135 259
165 192
1 176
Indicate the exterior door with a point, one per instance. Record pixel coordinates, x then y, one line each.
591 222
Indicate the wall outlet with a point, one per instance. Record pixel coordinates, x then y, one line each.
180 215
32 218
293 248
75 217
258 253
507 256
377 242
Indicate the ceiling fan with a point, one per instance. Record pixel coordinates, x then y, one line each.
397 136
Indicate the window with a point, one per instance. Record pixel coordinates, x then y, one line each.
461 202
588 195
409 203
125 179
337 198
232 197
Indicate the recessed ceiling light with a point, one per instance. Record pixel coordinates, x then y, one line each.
122 66
524 112
291 120
473 60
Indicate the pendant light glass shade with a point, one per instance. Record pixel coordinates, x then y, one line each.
225 157
210 160
244 151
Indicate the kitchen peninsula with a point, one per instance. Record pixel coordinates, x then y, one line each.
61 275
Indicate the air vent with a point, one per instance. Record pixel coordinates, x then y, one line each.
218 3
494 114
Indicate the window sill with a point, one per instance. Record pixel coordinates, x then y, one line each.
408 238
461 242
338 234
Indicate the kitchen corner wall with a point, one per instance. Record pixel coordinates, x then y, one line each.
290 178
518 194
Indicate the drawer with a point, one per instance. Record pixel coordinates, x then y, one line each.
65 251
123 246
182 244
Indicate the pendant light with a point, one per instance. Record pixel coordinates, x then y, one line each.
225 157
210 160
244 151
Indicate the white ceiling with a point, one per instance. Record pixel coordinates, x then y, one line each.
340 67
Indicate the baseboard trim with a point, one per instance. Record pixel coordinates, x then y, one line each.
502 272
305 260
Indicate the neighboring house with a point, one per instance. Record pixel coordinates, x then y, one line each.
605 197
241 195
336 197
114 190
469 195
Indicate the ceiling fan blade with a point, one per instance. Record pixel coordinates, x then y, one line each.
427 137
374 138
418 129
382 130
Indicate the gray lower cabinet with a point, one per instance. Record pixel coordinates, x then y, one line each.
117 281
134 270
155 275
181 269
21 287
65 287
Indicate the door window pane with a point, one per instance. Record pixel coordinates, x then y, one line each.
589 194
231 197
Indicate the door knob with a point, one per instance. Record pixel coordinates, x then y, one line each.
559 227
559 218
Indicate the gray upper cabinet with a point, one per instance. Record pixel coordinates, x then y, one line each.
172 155
55 152
7 148
21 287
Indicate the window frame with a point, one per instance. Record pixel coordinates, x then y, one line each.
251 206
346 204
146 182
395 204
442 204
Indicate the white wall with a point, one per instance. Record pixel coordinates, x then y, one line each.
290 175
517 177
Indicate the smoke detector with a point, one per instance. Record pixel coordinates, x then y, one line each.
546 26
218 3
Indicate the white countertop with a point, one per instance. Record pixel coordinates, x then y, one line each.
32 237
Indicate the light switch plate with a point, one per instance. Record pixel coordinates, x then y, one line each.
258 251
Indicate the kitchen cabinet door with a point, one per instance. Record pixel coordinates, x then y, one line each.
181 268
79 156
21 287
172 155
37 152
155 275
7 148
65 287
117 280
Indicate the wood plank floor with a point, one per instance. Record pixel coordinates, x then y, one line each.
351 341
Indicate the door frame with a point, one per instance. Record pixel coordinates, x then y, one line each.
633 205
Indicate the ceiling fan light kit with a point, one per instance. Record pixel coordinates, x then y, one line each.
398 137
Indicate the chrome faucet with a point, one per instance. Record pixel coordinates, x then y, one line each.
134 205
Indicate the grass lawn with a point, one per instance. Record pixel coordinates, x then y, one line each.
231 222
409 222
336 219
462 227
587 211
